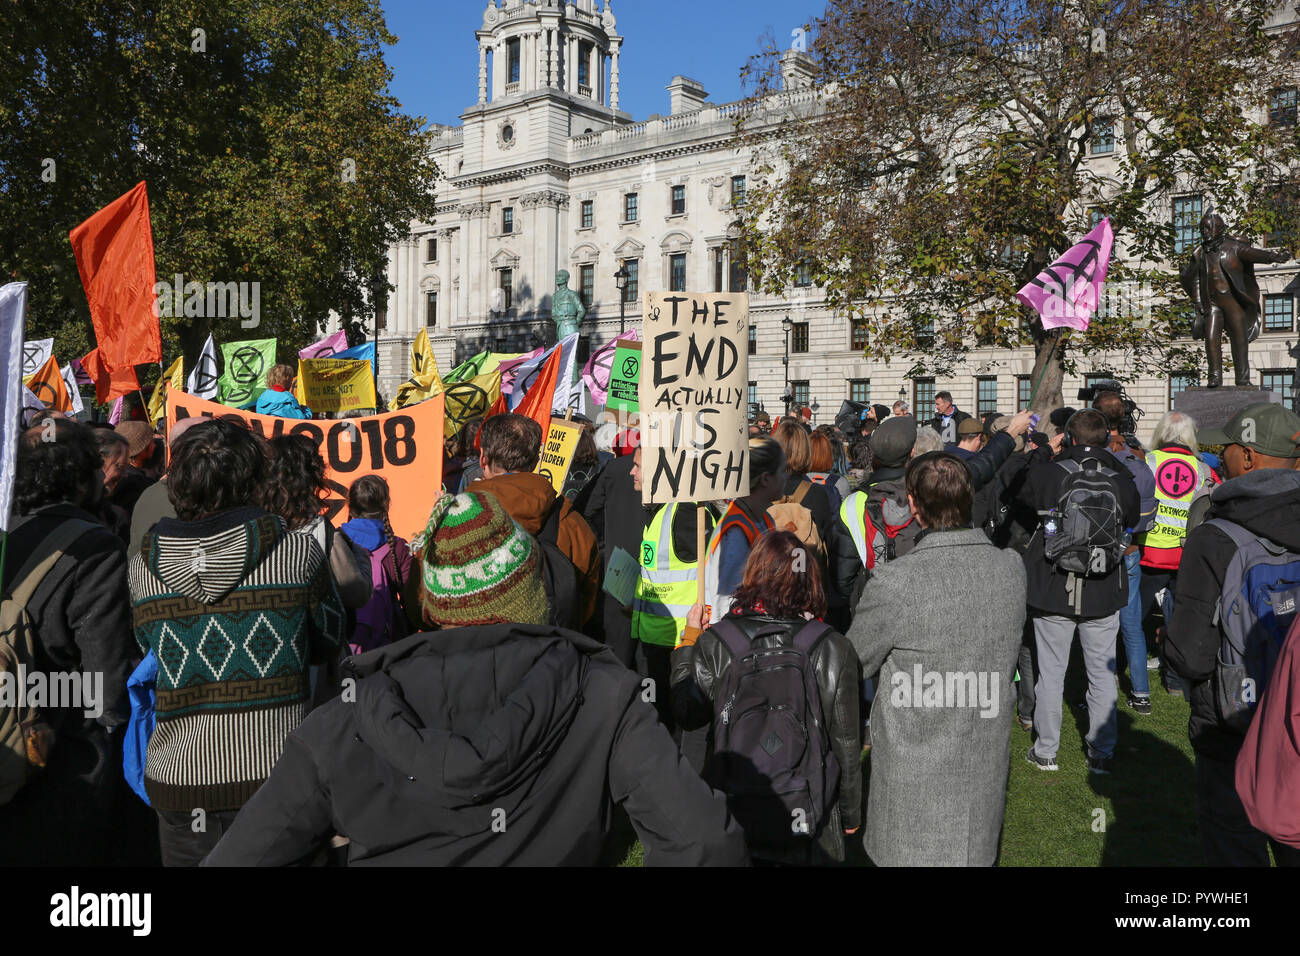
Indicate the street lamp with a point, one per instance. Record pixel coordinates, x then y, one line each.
814 407
620 280
786 326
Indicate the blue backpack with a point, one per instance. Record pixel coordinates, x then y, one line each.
1256 607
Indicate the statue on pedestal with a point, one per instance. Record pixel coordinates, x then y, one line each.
566 307
1220 280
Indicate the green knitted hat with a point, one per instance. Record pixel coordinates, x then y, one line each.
477 566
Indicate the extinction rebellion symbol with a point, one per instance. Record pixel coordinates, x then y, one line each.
463 401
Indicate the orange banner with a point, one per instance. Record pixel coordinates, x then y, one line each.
47 384
403 447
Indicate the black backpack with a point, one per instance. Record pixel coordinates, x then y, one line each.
771 752
559 576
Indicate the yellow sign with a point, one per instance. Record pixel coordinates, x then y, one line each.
557 454
336 385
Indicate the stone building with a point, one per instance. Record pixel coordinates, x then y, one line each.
546 172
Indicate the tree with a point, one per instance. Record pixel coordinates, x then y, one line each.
272 151
944 162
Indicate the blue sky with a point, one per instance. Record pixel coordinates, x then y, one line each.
435 61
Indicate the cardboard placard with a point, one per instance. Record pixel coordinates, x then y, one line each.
336 385
404 448
557 454
624 378
694 381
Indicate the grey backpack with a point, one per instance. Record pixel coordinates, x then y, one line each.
1084 534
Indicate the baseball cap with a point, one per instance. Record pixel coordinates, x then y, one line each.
969 426
893 439
1263 427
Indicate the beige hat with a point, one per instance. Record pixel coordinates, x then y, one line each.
139 436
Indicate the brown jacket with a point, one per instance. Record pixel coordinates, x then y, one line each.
528 499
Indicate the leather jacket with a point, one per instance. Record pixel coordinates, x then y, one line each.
696 677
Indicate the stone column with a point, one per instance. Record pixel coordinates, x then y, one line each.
482 73
411 322
571 64
553 77
498 70
445 305
462 294
613 78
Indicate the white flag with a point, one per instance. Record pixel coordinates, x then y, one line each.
13 309
565 392
203 377
74 393
36 354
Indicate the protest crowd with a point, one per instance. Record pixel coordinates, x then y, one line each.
263 618
486 693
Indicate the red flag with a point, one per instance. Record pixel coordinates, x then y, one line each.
537 403
109 385
499 407
114 250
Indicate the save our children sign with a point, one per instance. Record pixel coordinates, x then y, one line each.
694 380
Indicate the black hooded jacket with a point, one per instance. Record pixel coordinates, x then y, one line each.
488 746
1266 502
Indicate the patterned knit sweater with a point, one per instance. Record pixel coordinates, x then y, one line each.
235 609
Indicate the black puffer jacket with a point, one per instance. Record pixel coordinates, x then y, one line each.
486 746
697 676
1266 502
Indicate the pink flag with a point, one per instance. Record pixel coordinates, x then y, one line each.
80 373
511 368
115 415
1068 291
326 347
596 372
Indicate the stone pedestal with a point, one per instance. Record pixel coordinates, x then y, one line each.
1213 407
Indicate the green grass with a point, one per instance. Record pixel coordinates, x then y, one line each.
1147 804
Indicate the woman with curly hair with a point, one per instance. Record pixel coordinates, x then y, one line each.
294 489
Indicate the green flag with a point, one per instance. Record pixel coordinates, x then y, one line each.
246 365
467 370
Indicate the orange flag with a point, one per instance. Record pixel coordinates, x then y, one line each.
537 403
499 407
109 385
114 250
47 384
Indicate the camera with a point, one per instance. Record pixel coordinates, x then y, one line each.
1132 414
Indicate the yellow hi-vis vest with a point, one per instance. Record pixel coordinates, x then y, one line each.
853 514
666 589
1179 475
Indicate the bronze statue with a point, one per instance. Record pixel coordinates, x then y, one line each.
566 307
1220 280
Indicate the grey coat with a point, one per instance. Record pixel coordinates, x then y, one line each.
938 765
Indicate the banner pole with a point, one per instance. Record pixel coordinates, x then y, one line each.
701 542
